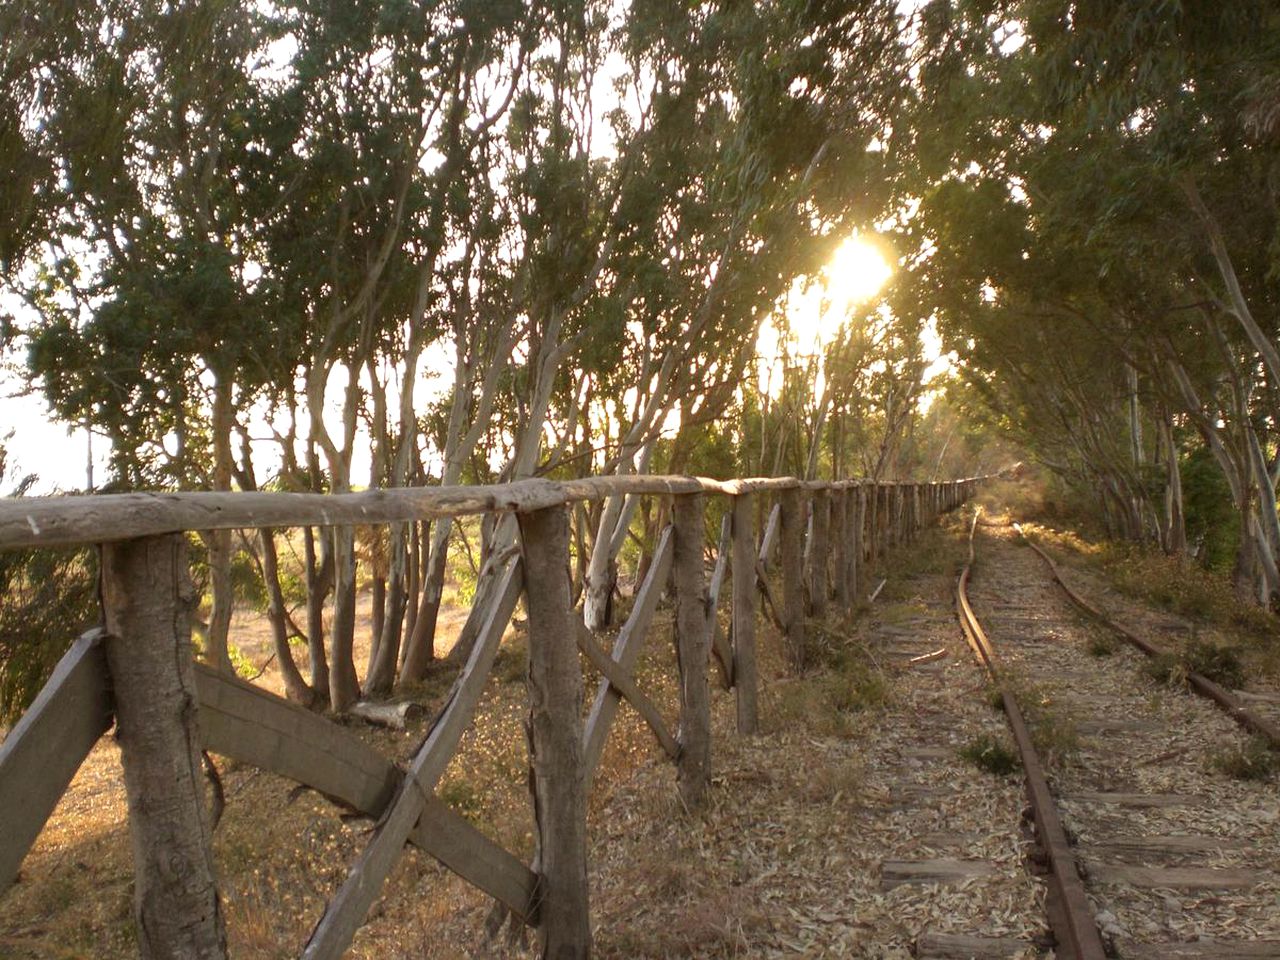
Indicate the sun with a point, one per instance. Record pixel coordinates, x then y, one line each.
856 272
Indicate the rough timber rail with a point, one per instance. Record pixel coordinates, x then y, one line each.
137 672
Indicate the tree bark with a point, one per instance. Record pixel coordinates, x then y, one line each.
558 774
148 599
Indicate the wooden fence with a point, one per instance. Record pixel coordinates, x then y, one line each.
137 673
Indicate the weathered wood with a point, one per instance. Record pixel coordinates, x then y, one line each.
626 651
894 873
1199 950
792 533
254 726
840 499
770 536
745 674
858 520
931 945
148 598
625 685
819 552
101 518
43 751
1176 878
693 641
346 911
1136 800
1155 847
719 642
393 715
557 776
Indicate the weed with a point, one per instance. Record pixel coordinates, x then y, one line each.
1101 645
1254 760
990 753
463 797
1220 664
1167 669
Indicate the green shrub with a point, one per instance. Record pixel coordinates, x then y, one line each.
992 754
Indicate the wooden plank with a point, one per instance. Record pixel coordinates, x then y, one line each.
819 553
719 642
626 651
745 673
840 534
894 873
346 911
626 686
932 945
1155 847
770 536
1199 950
693 643
102 518
43 751
557 776
254 726
1135 800
1176 878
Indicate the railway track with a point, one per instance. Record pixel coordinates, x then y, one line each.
1148 851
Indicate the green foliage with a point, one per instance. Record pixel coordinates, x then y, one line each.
992 754
47 599
1212 522
1220 664
50 598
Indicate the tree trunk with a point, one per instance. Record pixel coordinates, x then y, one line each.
295 687
147 599
558 774
220 540
319 582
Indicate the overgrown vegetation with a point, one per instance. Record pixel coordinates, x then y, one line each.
992 754
1218 663
1255 759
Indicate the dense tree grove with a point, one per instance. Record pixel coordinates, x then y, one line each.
1097 232
321 247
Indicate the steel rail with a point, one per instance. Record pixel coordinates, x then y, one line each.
1070 916
1197 681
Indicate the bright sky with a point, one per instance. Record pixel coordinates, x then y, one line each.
816 309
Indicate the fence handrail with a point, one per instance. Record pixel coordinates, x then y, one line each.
105 518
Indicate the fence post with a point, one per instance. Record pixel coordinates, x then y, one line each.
840 526
745 679
558 779
148 599
819 551
792 521
693 649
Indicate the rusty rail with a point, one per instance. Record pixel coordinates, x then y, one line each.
1070 916
1197 681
